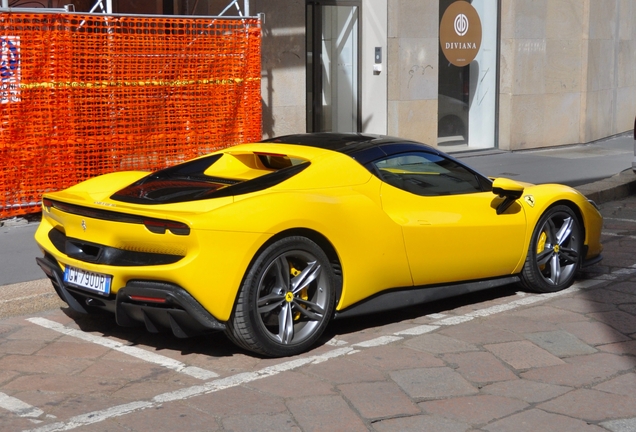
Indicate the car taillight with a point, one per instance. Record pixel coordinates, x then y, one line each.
159 226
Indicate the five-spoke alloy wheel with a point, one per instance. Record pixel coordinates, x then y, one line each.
555 251
286 299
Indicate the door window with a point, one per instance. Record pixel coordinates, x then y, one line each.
428 174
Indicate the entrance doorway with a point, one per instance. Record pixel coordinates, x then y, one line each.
333 58
467 95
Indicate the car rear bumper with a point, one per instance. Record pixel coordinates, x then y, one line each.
156 305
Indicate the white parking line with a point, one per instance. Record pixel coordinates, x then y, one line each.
620 219
419 330
188 392
17 407
615 274
611 234
242 378
95 416
524 301
379 341
139 353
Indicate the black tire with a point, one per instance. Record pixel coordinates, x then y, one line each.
555 251
286 299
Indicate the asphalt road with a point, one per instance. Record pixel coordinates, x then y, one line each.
17 253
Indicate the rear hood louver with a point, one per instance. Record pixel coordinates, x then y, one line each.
187 182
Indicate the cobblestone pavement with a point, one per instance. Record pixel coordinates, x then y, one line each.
497 361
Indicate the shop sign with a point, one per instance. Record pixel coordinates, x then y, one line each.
460 33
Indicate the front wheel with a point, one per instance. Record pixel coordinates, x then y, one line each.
286 299
555 251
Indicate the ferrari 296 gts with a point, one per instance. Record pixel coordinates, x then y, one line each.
270 241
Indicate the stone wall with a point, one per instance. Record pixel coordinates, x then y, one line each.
283 85
413 43
566 73
611 69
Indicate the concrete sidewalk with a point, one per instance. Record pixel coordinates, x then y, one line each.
600 170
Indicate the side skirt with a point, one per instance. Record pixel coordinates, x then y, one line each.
592 261
404 297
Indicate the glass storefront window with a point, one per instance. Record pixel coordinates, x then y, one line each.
467 92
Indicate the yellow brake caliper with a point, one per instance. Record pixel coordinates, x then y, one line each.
302 294
541 246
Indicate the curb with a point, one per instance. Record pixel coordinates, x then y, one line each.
613 188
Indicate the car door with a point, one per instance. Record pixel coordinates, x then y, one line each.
449 220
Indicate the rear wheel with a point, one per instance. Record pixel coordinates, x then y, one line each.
555 251
286 299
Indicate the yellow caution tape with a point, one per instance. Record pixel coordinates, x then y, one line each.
104 84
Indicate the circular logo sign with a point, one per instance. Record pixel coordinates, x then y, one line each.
461 24
460 33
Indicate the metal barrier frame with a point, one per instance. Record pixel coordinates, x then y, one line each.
106 7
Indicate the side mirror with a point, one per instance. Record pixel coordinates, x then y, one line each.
508 189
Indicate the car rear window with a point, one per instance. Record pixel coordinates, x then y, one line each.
200 179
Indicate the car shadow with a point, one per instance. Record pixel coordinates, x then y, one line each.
605 301
214 344
610 302
351 325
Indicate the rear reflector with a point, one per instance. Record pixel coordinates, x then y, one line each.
147 299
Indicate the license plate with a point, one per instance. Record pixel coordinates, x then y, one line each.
88 280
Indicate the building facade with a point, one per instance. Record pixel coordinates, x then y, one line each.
548 72
458 74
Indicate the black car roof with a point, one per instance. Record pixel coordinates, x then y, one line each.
361 147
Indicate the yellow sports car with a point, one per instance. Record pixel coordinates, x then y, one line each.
269 241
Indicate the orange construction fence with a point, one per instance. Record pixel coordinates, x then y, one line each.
83 95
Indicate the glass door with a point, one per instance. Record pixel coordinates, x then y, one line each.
333 66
